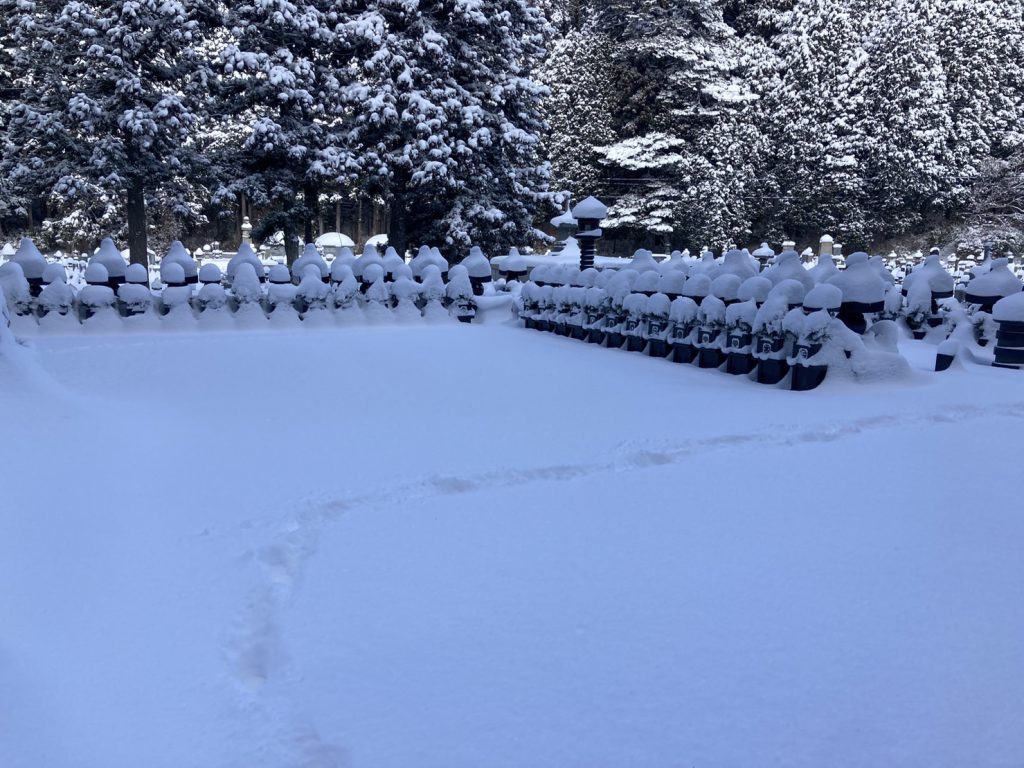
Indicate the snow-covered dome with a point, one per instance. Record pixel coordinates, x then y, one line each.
245 255
279 275
697 286
824 269
1009 309
476 264
738 263
373 272
788 266
368 258
643 260
764 253
310 256
340 272
754 289
998 282
30 259
939 280
823 296
647 282
111 259
172 274
209 274
860 282
96 274
564 218
136 274
392 263
726 287
246 284
671 283
378 241
54 273
790 291
514 263
590 208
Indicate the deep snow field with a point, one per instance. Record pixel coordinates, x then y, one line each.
475 546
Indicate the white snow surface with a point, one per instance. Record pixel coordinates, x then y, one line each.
421 578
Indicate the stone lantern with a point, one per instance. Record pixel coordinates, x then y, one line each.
565 226
589 214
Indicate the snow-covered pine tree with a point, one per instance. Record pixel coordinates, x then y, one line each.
102 108
675 69
448 119
811 121
579 111
901 92
980 43
277 132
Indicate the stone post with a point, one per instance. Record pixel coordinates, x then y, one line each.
589 214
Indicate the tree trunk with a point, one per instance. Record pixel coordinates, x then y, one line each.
291 243
137 248
312 199
337 216
398 229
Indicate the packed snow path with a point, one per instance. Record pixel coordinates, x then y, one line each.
482 546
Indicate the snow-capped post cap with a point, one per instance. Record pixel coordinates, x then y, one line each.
825 245
209 274
137 274
590 209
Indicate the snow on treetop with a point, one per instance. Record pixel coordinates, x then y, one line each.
1009 309
590 208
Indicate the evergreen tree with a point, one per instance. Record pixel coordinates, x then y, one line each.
579 112
276 131
447 118
102 110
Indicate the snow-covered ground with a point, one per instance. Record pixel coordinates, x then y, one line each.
485 546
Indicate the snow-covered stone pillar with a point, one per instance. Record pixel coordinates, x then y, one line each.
1009 316
837 250
825 245
589 214
246 231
